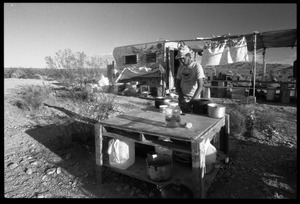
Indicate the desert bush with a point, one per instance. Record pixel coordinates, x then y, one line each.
101 106
264 120
31 97
237 114
18 74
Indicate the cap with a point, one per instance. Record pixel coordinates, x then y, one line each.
182 51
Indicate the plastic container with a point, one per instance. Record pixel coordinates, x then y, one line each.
121 153
172 115
210 157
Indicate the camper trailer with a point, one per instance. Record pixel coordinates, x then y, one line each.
152 64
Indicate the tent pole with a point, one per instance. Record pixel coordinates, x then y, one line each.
254 71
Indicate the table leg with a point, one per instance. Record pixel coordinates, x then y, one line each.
198 165
98 152
227 132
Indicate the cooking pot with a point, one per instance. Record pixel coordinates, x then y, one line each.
215 110
175 190
200 106
161 101
159 166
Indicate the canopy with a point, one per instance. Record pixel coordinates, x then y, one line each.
269 39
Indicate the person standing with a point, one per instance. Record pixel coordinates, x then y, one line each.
189 79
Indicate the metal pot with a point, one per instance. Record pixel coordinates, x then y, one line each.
161 101
176 190
200 106
215 110
159 166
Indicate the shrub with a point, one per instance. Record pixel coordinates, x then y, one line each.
264 120
237 114
18 74
31 97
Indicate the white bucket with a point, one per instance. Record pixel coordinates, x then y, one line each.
210 157
121 153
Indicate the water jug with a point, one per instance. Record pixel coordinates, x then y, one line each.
121 153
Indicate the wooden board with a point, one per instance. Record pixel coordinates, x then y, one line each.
153 122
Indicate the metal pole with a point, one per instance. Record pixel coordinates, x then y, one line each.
254 71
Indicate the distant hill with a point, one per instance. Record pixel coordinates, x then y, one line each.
244 69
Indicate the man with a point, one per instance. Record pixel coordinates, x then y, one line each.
189 80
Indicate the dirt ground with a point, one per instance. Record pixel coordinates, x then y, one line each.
38 165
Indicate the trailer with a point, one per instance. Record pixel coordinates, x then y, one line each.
152 64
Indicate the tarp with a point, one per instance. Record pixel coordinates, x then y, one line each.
132 72
269 39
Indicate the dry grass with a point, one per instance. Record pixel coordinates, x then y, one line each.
31 97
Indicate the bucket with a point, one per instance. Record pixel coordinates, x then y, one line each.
210 157
121 153
159 166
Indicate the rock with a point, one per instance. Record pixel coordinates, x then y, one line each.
28 171
12 165
40 196
44 177
35 163
50 171
58 170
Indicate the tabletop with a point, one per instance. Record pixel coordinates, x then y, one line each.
153 122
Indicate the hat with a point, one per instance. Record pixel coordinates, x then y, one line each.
182 51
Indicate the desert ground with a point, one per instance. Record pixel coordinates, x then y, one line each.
37 165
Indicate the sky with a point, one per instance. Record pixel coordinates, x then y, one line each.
33 31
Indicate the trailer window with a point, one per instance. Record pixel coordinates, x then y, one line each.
151 57
131 59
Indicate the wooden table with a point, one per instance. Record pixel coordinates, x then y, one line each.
146 127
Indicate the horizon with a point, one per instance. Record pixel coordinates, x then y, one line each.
33 31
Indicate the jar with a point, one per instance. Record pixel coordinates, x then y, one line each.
172 115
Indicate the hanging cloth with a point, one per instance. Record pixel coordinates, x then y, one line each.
238 50
212 53
226 57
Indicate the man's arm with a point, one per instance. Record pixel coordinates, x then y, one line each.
199 88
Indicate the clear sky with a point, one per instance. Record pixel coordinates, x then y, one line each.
33 31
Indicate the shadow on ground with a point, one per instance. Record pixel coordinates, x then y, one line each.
255 171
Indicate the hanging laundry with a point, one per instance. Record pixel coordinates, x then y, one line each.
238 50
226 57
212 53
